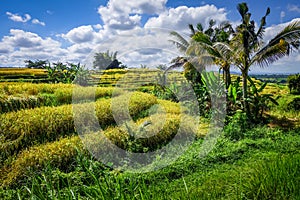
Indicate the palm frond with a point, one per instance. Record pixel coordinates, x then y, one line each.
178 62
201 37
271 54
280 45
199 27
180 42
223 48
263 23
193 32
290 33
243 9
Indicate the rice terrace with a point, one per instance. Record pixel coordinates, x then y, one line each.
200 125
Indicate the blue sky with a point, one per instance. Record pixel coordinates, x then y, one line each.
65 30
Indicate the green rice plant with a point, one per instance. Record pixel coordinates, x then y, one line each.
55 184
28 127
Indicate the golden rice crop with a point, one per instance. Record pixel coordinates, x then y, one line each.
161 129
14 103
138 138
57 96
59 153
30 88
25 128
64 95
22 71
169 106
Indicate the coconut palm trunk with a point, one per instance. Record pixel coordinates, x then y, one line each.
226 75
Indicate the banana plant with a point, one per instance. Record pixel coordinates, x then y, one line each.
216 89
234 97
259 102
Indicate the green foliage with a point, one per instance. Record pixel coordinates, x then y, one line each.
166 92
237 126
162 67
192 74
66 73
294 104
143 66
216 90
294 83
258 102
234 97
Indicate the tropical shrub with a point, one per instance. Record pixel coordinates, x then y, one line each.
66 73
294 104
38 64
107 60
237 126
258 101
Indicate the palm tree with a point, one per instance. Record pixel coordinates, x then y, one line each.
213 49
248 46
207 47
105 60
182 44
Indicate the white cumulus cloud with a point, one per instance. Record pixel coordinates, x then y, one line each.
21 45
36 21
125 15
179 18
18 18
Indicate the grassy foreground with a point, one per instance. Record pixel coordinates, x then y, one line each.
264 165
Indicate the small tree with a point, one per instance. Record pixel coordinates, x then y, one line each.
38 64
106 60
162 67
294 83
143 66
